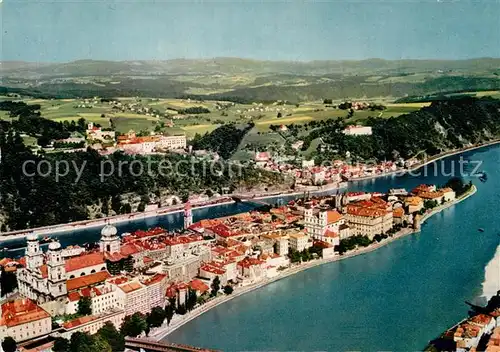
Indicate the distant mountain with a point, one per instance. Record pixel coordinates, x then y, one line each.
224 65
250 80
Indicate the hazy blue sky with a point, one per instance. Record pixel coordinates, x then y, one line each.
55 30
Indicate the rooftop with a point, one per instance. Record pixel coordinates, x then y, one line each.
84 261
21 311
333 216
130 287
88 280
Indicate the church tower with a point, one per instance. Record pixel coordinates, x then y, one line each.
34 255
188 216
110 241
56 270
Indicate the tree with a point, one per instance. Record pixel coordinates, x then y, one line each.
85 306
294 255
60 345
215 286
8 281
279 115
9 344
156 317
181 309
191 299
133 325
115 339
99 344
80 341
169 313
228 289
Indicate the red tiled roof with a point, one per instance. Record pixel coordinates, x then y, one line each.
481 319
398 212
430 195
21 311
182 286
171 293
74 296
331 234
333 216
155 279
88 280
114 257
248 262
368 212
84 261
198 285
118 280
79 321
132 286
212 269
322 244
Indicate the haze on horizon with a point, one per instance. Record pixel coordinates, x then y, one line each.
60 31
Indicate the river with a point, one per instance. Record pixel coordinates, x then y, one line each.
395 298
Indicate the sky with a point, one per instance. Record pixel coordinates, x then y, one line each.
60 31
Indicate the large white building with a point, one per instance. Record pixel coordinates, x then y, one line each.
43 282
368 219
319 223
358 130
22 319
299 241
45 278
172 142
150 144
98 134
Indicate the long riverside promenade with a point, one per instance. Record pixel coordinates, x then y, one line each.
180 320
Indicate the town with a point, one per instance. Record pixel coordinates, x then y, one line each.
147 282
478 332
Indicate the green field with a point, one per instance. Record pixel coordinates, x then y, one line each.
263 115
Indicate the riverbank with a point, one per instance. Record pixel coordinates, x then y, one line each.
85 224
432 159
180 320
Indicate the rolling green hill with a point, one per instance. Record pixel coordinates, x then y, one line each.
251 80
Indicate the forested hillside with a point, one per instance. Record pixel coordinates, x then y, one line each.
31 199
444 125
224 140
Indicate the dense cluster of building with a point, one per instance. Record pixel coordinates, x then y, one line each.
479 332
138 271
309 174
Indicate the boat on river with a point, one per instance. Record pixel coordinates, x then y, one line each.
483 177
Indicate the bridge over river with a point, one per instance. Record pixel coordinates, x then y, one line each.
151 345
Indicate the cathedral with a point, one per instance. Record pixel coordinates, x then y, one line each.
44 276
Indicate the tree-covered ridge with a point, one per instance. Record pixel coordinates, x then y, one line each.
442 126
30 199
224 140
31 123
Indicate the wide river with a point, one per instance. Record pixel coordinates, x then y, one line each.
395 298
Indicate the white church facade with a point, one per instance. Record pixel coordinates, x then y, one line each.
44 277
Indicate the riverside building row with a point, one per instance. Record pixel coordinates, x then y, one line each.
142 270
